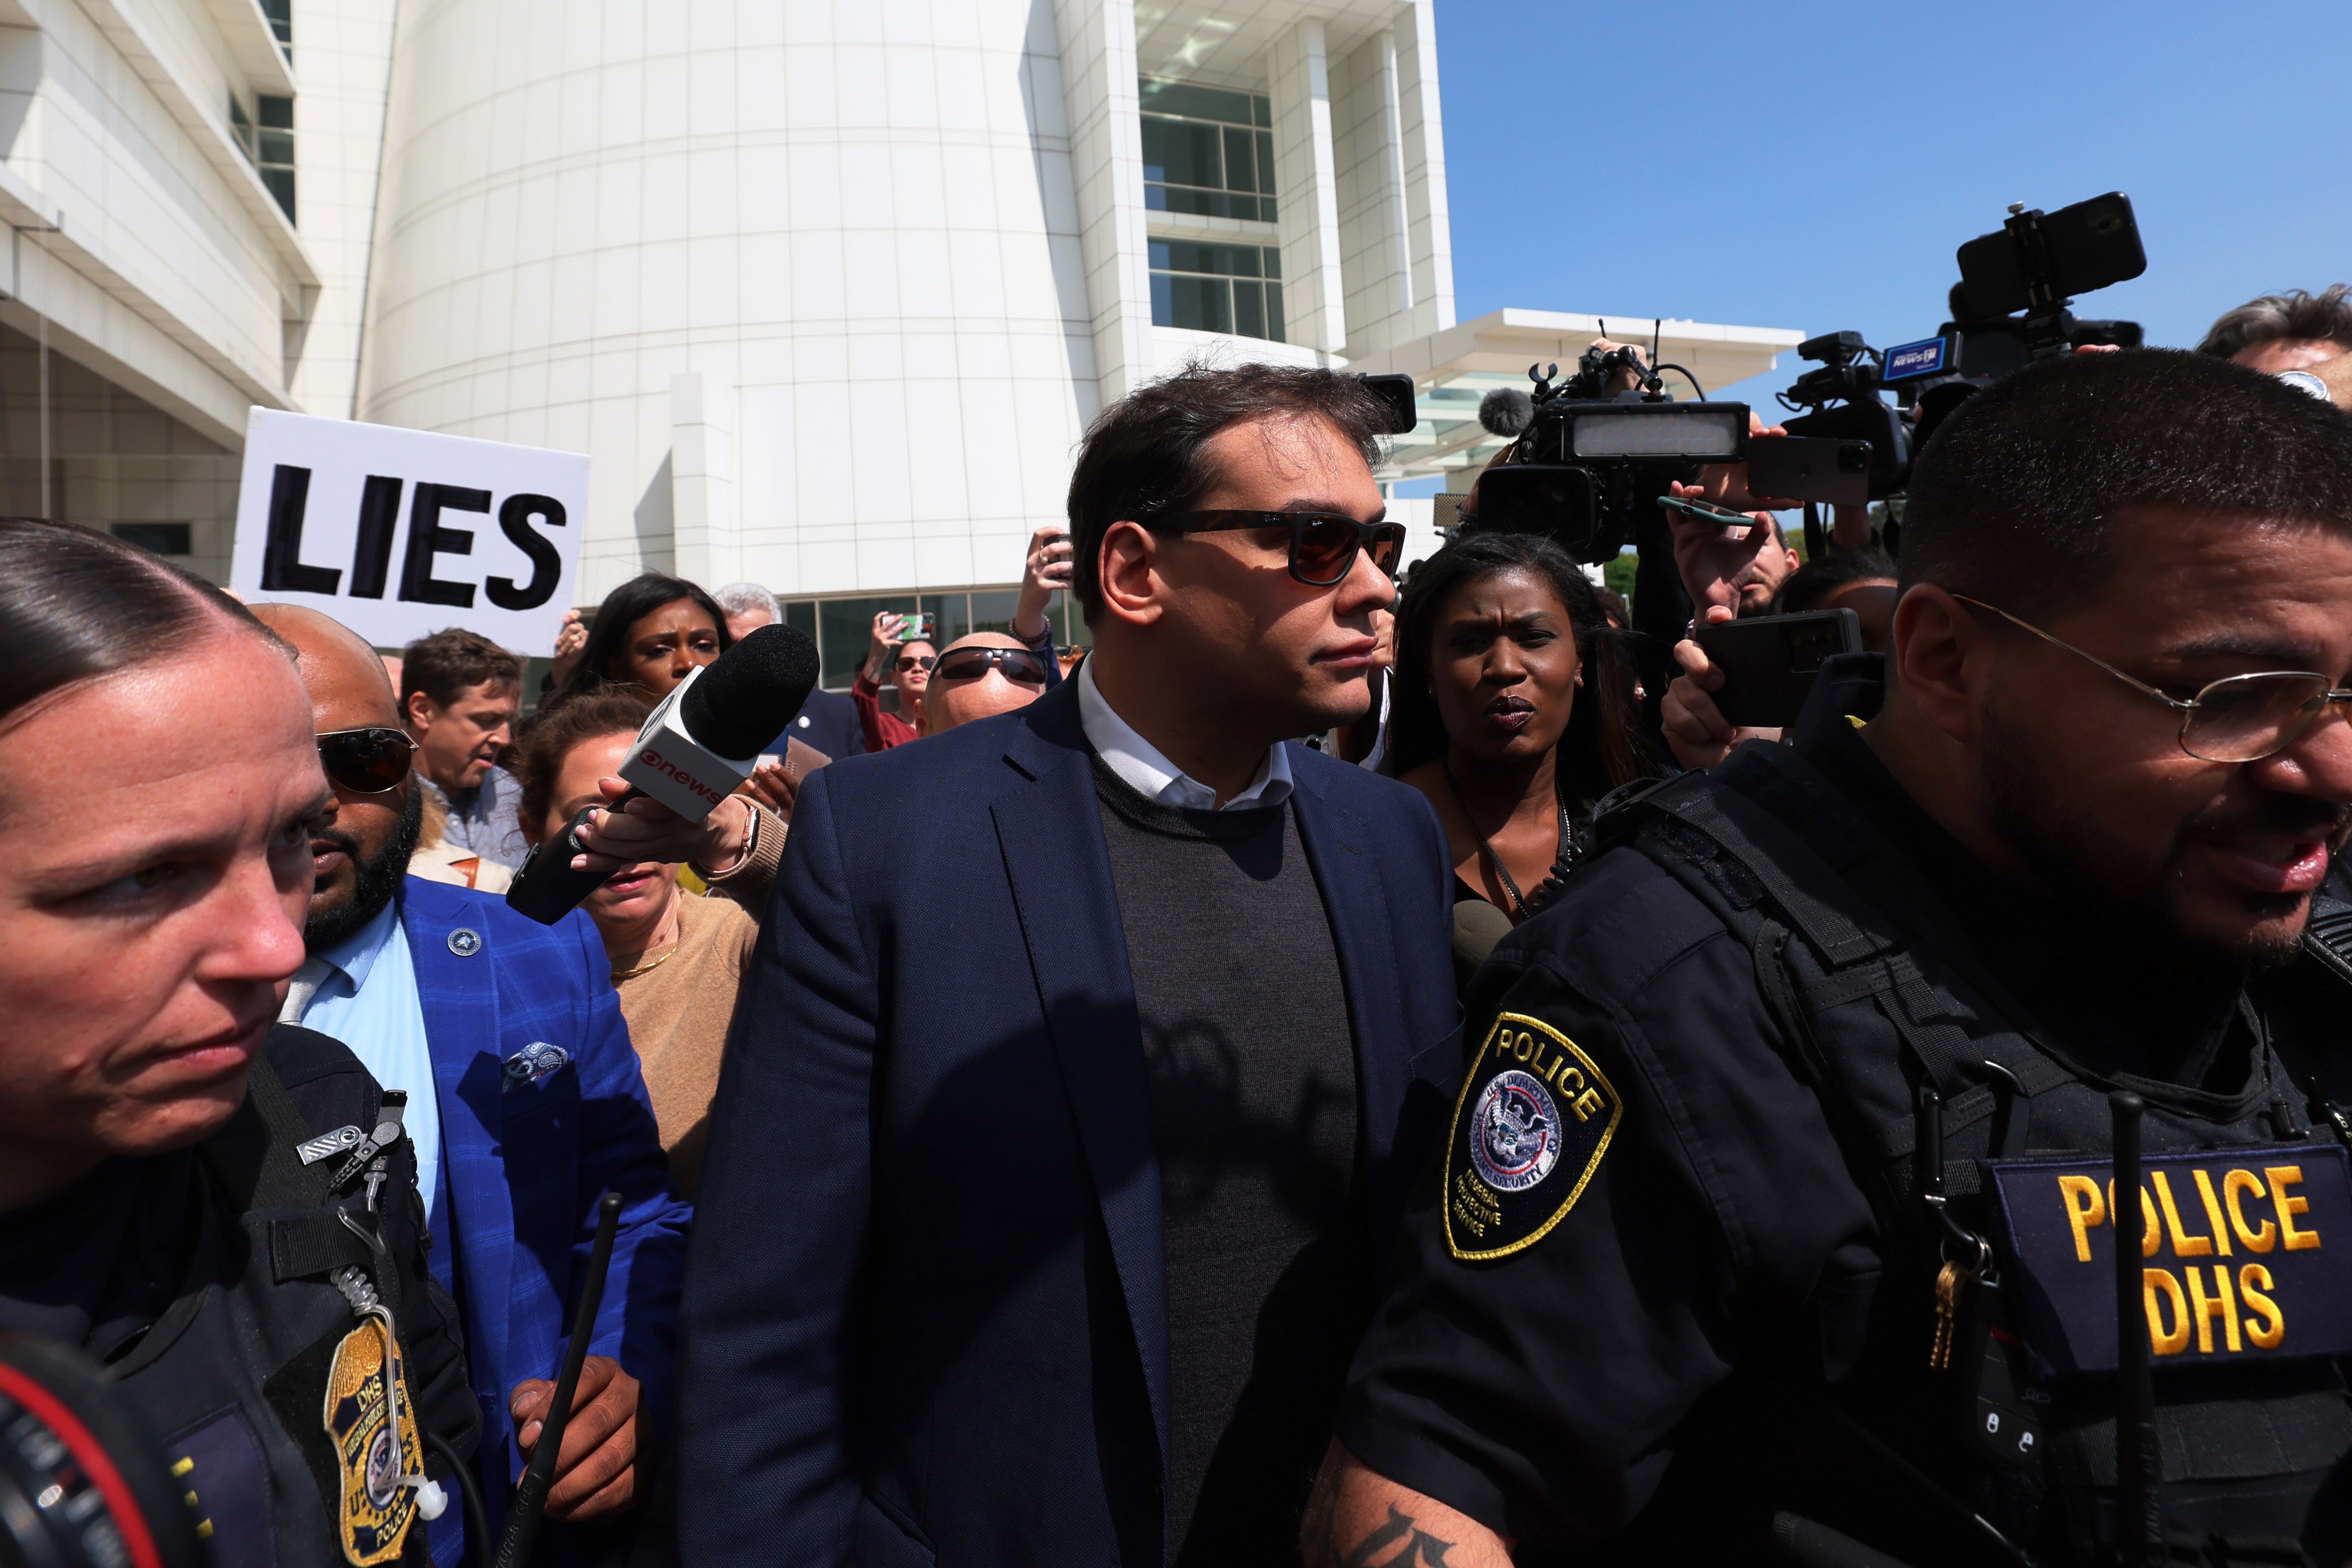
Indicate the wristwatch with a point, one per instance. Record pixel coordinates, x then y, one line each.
2303 380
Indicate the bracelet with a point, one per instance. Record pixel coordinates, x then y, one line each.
751 848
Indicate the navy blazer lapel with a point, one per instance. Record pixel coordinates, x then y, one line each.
1049 828
1342 854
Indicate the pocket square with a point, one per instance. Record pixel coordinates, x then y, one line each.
534 1064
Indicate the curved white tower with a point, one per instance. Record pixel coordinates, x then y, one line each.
828 290
803 280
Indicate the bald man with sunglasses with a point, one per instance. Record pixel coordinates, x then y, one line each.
1089 1050
525 1103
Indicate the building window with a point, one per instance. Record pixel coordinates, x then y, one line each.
842 628
281 23
268 146
162 538
1207 151
1211 288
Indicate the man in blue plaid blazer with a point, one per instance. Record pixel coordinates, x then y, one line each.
525 1103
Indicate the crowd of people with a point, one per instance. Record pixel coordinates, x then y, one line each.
1330 1072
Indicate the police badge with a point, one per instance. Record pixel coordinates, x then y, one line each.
1530 1099
374 1432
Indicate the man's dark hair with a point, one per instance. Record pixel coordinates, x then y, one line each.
627 605
1816 581
2015 499
447 662
79 605
1147 453
1600 749
2294 315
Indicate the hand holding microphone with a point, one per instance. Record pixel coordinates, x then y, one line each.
701 742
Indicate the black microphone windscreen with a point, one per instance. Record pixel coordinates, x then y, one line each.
1506 411
748 697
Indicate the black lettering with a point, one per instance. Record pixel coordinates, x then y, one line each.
281 546
379 520
546 565
428 539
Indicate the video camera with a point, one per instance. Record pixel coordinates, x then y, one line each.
1586 461
2009 309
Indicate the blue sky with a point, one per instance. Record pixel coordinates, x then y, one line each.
1814 165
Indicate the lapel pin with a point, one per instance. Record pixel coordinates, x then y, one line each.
465 943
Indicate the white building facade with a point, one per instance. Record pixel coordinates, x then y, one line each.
829 292
827 289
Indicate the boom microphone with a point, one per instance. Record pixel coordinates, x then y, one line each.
695 748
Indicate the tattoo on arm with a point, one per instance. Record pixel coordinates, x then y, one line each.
1398 1543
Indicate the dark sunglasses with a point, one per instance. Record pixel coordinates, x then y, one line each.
1323 545
366 761
909 661
972 663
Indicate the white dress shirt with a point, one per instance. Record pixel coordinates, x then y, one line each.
1144 767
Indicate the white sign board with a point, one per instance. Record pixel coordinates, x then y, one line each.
398 533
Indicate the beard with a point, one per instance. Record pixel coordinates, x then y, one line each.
2021 807
375 879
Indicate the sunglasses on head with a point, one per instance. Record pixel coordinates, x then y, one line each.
366 761
1323 545
972 663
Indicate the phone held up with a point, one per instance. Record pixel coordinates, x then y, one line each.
1768 662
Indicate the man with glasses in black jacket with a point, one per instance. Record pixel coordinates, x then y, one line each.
1754 1240
1089 1051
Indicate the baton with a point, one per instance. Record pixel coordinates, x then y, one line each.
530 1494
2139 1522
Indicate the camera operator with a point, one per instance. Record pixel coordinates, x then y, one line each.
1708 1269
161 1210
2306 340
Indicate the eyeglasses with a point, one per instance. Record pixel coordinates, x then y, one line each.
1323 545
366 761
972 663
2237 718
907 662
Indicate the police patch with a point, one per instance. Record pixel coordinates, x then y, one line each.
1533 1105
2243 1256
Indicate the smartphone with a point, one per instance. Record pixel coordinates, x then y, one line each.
2083 248
1809 467
1768 662
1727 526
922 626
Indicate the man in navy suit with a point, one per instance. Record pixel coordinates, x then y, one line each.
525 1104
1088 1053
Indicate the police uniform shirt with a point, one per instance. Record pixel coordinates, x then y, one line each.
1718 1225
97 1263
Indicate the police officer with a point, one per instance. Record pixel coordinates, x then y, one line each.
1774 1220
219 1212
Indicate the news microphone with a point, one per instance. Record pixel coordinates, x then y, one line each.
701 742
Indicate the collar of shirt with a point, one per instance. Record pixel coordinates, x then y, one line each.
1144 767
355 955
371 1004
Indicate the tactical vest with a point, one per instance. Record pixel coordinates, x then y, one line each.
1977 1424
276 1431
